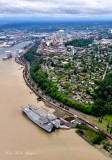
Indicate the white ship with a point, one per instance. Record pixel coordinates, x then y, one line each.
44 120
8 55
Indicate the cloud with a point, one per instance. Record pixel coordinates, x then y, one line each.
55 8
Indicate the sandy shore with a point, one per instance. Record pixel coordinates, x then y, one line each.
20 139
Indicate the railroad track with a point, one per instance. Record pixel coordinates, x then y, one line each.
23 62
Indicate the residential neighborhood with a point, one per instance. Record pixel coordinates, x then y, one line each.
77 71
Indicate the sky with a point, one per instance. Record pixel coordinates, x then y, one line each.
56 8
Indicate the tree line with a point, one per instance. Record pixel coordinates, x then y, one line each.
79 42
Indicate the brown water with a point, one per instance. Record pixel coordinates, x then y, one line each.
20 139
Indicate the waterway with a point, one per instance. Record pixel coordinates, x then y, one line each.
14 49
20 139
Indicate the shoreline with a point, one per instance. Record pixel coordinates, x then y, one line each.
99 148
36 92
51 102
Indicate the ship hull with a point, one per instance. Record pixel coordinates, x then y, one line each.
4 58
37 123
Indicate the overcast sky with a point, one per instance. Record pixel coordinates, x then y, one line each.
55 8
